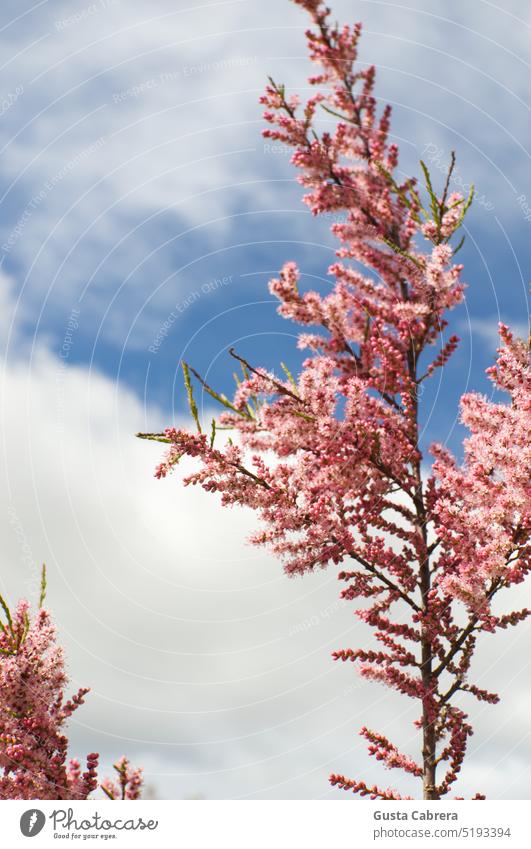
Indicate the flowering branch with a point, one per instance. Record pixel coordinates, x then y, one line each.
33 712
128 784
331 460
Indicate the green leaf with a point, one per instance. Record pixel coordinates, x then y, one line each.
337 114
460 245
289 375
219 396
442 206
304 416
7 612
154 437
22 636
190 393
434 203
367 327
466 206
403 253
42 595
417 200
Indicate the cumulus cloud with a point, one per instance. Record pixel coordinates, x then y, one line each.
133 125
206 663
486 330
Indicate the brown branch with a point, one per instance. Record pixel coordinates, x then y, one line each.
381 577
498 584
282 389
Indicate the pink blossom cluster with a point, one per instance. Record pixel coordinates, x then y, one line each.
33 712
383 750
128 783
330 459
482 509
360 787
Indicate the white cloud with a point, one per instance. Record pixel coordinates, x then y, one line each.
6 308
486 330
172 95
184 633
206 663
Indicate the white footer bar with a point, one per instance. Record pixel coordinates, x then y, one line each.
266 824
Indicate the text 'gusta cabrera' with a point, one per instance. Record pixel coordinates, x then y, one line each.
426 814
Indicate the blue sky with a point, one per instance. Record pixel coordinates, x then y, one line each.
134 153
136 186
